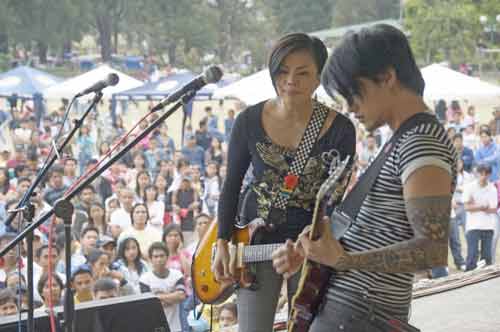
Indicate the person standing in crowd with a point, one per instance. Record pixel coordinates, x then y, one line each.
466 154
193 152
121 216
105 288
50 295
185 201
85 144
211 190
267 135
369 152
56 187
130 262
167 284
228 317
88 241
480 201
70 171
487 153
8 303
402 225
458 215
229 124
82 282
140 230
155 206
201 224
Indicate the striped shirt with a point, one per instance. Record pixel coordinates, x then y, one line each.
382 220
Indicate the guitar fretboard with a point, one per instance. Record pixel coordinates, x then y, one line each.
259 253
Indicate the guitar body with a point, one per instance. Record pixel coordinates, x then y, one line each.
308 297
206 288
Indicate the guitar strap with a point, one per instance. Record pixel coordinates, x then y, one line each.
277 212
354 199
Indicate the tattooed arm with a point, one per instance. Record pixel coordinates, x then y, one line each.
427 194
428 205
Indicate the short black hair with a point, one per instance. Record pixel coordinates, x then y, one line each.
458 136
88 229
104 285
157 246
484 168
296 42
485 131
367 54
172 228
46 246
81 269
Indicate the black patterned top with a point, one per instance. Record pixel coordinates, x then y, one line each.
250 144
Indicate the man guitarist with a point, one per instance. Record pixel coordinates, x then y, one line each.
401 225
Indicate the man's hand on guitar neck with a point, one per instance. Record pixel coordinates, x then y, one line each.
326 250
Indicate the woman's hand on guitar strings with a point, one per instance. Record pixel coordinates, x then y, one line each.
220 264
288 259
326 249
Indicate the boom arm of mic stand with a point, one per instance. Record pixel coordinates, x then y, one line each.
91 178
41 175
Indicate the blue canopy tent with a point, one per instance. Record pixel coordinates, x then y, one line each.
164 87
27 83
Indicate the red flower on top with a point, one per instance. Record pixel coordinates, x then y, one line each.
291 181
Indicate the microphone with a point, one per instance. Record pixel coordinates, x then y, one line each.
212 75
111 80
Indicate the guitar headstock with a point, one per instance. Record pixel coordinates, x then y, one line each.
338 174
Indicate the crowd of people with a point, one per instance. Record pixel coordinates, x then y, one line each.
136 227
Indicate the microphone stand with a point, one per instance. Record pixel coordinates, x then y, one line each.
78 123
98 172
64 210
28 215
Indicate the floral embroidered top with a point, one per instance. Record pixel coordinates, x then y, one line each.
250 144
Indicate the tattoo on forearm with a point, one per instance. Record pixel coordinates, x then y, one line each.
430 217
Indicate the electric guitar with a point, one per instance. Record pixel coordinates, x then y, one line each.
314 276
242 251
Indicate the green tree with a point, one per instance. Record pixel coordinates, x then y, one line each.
302 16
164 25
104 16
442 29
348 12
45 23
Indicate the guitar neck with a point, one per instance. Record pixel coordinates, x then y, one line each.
259 253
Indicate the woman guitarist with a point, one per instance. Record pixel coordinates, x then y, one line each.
401 225
267 135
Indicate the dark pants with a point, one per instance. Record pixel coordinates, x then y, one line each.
336 316
473 238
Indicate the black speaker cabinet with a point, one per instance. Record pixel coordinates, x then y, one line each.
142 312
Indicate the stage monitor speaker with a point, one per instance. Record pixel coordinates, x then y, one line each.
142 312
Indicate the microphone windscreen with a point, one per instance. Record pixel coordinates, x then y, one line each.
113 79
213 74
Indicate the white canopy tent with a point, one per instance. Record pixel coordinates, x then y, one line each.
69 88
255 88
444 83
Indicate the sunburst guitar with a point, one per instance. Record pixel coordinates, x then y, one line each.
242 252
314 276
